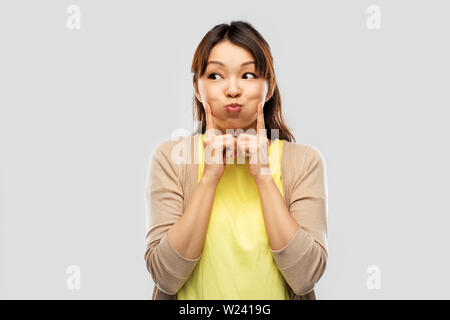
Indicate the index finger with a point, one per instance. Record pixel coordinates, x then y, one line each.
209 120
260 120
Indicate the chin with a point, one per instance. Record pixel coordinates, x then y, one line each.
236 126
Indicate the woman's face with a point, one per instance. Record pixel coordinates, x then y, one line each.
229 78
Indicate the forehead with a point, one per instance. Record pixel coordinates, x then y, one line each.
229 54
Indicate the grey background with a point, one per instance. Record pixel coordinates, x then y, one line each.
82 110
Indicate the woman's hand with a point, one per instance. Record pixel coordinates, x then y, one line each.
214 146
255 148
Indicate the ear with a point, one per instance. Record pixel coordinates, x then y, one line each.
197 94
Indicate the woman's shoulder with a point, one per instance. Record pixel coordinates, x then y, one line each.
174 149
301 148
300 153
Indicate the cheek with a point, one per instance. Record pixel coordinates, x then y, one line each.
250 114
256 91
211 93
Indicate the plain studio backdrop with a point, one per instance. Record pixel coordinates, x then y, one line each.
365 82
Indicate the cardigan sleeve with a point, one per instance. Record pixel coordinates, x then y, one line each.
303 259
164 206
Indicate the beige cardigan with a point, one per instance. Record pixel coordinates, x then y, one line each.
170 183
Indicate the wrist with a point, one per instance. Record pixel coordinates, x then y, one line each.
209 180
263 179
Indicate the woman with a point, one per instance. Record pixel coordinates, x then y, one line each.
248 220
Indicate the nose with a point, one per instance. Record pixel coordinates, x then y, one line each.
232 89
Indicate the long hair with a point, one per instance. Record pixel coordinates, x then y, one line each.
242 34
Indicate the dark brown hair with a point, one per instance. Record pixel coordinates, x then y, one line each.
242 34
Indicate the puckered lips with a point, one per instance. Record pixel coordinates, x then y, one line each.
233 107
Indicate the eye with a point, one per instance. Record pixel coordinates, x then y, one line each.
212 75
254 76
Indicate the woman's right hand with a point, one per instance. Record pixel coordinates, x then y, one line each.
215 148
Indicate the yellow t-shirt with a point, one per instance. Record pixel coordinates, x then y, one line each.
236 261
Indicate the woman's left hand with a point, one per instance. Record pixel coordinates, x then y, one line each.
255 148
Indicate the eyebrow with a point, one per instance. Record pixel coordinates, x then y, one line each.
222 64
